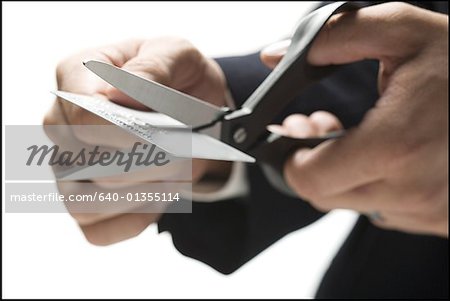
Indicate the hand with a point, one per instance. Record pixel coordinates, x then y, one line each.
171 61
395 162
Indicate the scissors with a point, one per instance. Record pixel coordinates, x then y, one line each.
242 132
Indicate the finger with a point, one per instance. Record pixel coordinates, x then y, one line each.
367 198
119 228
272 54
73 77
339 165
60 133
299 126
395 197
172 62
325 122
374 32
147 65
119 97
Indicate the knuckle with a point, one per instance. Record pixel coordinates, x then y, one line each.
326 116
154 66
191 52
294 119
181 43
186 51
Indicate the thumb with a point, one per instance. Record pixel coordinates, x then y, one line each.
146 66
272 54
380 32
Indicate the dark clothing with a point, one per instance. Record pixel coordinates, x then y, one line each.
372 263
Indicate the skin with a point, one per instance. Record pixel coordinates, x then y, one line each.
396 161
171 61
384 165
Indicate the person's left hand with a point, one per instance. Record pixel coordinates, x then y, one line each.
171 61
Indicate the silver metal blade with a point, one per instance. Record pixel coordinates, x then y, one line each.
161 130
182 107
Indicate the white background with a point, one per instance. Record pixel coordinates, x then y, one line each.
46 255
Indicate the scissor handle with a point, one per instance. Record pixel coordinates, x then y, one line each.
273 152
292 75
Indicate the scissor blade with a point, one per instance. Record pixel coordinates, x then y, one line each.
182 107
155 128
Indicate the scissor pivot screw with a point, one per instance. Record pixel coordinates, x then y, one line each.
240 135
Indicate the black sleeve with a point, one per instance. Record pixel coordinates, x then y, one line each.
382 264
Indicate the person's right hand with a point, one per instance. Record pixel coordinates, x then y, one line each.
394 165
171 61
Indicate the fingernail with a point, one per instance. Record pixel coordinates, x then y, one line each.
277 48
